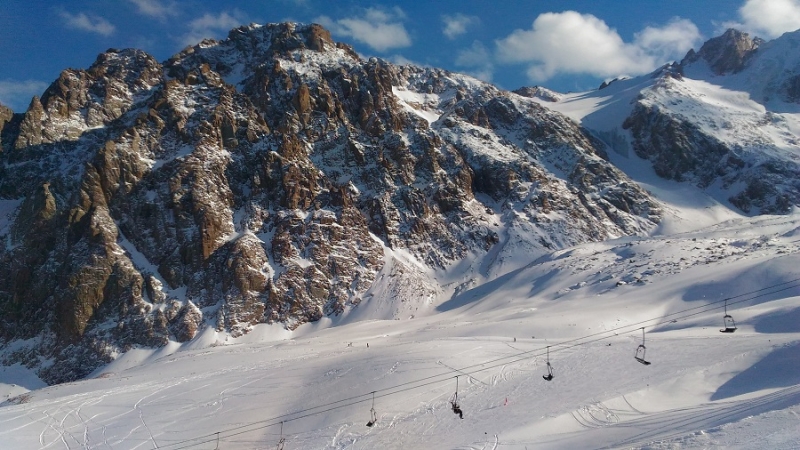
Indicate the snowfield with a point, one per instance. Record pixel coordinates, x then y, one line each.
314 386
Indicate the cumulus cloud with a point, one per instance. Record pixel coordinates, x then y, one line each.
668 42
570 42
17 95
86 22
456 25
381 29
209 26
767 18
478 61
156 8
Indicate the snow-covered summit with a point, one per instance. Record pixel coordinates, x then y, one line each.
725 119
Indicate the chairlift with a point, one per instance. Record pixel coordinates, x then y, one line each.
549 376
727 321
282 441
454 402
640 352
372 414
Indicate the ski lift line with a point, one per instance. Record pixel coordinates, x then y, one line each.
392 392
619 330
274 423
309 412
462 373
475 368
577 342
286 415
395 389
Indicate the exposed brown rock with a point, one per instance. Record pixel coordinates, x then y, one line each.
726 53
160 199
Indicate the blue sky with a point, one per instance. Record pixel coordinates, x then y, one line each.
566 45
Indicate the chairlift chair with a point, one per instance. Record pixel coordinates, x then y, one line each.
640 352
372 414
454 402
282 441
727 321
549 376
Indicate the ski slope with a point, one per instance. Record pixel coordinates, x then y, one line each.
487 332
588 303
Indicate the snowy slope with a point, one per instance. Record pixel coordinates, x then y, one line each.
734 134
704 388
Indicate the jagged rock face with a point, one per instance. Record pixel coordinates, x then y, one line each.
258 180
681 150
538 92
5 116
727 53
677 148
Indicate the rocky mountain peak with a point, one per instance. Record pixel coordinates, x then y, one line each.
6 114
727 53
80 99
249 47
538 92
268 177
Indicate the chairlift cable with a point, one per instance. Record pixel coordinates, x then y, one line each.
521 356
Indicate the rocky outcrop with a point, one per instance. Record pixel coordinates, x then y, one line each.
5 116
682 151
538 92
259 179
727 53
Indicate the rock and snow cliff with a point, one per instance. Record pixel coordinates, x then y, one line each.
269 177
725 119
273 176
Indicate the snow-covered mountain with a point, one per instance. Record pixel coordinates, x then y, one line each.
726 119
270 177
262 237
313 386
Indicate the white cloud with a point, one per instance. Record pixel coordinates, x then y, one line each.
478 60
17 95
156 8
401 60
380 29
456 25
767 18
670 41
575 43
210 26
90 23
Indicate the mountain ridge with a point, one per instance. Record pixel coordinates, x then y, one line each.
272 177
264 179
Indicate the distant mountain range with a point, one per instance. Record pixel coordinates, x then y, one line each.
271 177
